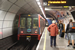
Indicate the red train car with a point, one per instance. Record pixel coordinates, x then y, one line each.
31 26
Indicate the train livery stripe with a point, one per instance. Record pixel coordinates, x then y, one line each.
39 20
39 30
39 24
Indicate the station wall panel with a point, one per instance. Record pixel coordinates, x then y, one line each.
7 32
2 14
20 3
1 24
7 24
5 5
14 9
0 33
10 16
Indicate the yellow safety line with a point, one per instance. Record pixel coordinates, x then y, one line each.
45 40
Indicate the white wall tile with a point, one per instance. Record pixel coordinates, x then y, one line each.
2 14
20 3
10 16
0 33
1 24
7 24
14 9
5 5
7 32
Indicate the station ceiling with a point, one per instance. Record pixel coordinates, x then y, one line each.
52 8
20 6
29 6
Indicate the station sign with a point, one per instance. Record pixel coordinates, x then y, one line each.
57 2
66 6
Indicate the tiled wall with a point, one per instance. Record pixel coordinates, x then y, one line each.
8 10
7 14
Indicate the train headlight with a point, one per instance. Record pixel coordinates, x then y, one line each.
35 31
21 31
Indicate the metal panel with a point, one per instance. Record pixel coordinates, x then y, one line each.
0 33
1 24
20 3
12 1
19 13
5 5
34 3
10 16
30 9
7 24
22 10
14 9
30 6
29 0
7 32
26 7
2 14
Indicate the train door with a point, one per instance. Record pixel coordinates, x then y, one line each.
35 26
22 23
29 25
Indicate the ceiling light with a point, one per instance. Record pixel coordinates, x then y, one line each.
40 6
38 3
44 3
37 0
47 9
48 4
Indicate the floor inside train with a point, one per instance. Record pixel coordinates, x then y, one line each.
44 43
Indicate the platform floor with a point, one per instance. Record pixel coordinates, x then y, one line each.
44 43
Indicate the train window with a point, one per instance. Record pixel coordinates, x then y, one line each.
29 23
35 22
22 23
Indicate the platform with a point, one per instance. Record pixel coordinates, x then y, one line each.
44 43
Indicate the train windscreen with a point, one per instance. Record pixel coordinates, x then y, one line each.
35 22
22 23
29 24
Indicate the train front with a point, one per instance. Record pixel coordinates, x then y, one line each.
28 27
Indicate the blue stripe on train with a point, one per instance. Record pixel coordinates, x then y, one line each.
39 30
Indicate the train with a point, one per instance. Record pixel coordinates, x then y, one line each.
30 26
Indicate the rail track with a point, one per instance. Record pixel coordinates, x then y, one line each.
24 45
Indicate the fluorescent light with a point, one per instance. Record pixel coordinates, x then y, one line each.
47 9
39 4
44 3
37 0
